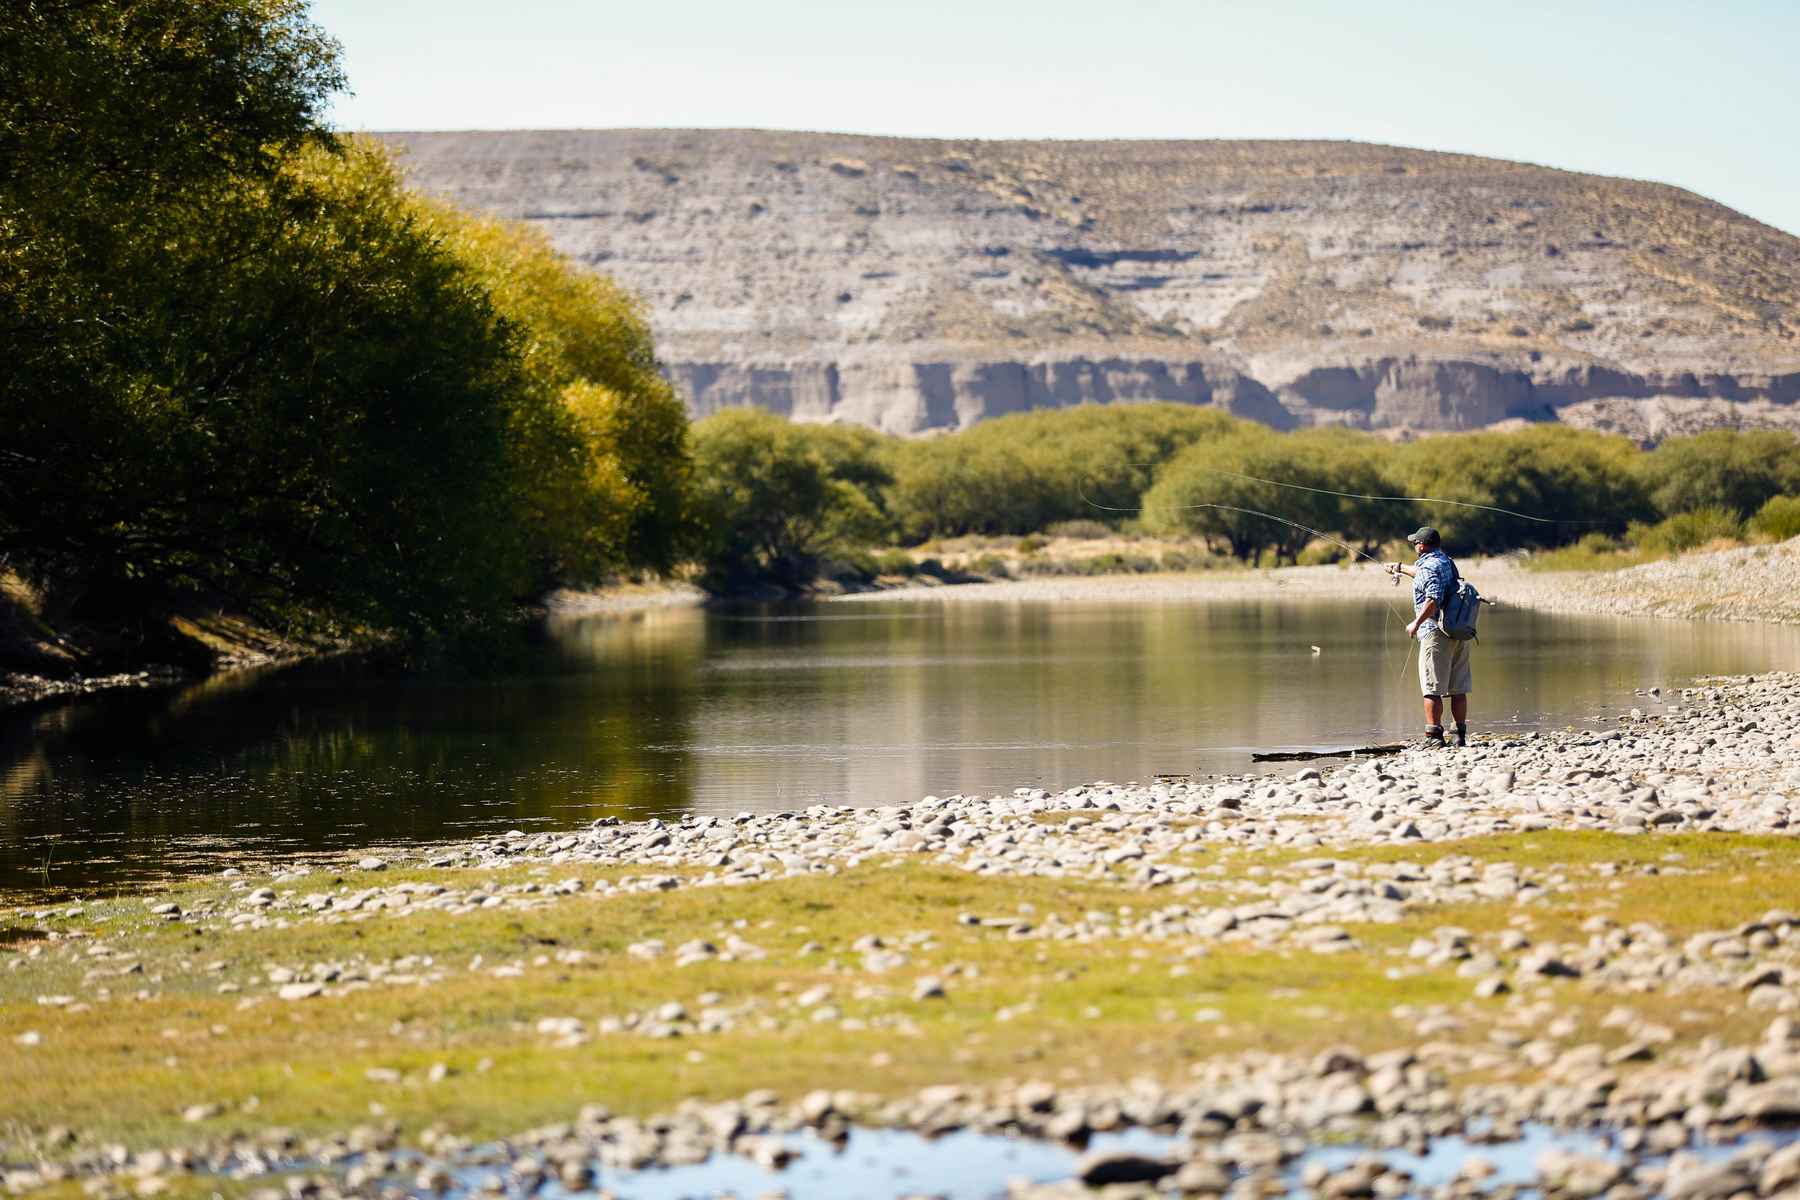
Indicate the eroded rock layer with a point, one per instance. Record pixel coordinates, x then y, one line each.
915 285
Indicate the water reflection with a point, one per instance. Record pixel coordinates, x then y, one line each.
329 757
663 711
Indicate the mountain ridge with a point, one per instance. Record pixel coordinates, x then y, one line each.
918 284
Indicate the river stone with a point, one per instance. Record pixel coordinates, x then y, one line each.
1765 1103
1102 1168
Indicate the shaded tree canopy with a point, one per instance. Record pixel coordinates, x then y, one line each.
247 362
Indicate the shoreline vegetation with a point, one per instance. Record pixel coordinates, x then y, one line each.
1590 929
1751 583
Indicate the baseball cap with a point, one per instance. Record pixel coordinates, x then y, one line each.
1423 533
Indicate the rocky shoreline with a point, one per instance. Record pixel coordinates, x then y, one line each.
1574 1001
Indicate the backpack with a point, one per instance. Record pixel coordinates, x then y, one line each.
1457 620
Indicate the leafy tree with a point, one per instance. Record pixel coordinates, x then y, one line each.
583 335
1566 482
1356 464
1724 468
1024 472
1206 489
250 365
773 501
122 123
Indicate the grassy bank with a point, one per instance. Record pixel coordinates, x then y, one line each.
126 1025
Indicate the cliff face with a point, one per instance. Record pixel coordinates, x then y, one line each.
919 285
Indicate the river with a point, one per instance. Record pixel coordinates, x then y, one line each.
677 710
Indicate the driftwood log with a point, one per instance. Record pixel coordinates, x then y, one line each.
1309 755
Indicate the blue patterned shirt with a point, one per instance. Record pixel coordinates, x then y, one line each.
1434 578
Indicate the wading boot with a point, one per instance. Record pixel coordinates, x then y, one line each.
1462 734
1434 737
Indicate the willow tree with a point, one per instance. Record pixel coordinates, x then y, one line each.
1257 490
773 497
248 364
587 339
122 127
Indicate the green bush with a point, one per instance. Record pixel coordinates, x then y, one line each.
1080 528
1593 552
1778 518
1022 473
1566 482
1722 468
1686 531
893 562
775 498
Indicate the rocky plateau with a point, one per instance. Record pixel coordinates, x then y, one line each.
916 285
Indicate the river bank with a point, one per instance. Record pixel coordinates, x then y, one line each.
1584 929
1750 583
1753 584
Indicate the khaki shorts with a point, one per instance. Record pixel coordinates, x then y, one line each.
1444 665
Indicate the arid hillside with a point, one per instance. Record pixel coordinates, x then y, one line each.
915 285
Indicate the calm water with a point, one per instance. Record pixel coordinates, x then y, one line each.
665 712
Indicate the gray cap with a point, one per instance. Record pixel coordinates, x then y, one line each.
1425 534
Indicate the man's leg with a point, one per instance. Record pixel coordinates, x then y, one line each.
1433 662
1460 682
1434 719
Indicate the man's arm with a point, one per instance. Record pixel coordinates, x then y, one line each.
1400 569
1435 590
1425 614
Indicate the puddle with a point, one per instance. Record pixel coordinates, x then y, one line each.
881 1164
875 1164
1514 1162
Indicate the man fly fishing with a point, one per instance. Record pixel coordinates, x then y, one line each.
1443 658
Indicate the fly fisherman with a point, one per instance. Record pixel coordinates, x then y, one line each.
1443 660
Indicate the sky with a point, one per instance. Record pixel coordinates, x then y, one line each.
1697 93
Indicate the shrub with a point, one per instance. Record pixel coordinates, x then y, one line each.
1022 473
893 562
1687 531
1594 552
1722 468
1565 481
1778 518
1031 543
1081 527
774 498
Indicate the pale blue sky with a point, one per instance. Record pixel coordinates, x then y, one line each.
1695 93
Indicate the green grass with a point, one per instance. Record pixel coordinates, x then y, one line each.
1104 1011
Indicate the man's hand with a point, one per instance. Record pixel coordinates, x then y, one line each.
1412 630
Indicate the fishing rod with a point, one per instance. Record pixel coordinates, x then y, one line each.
1318 533
1321 534
1301 487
